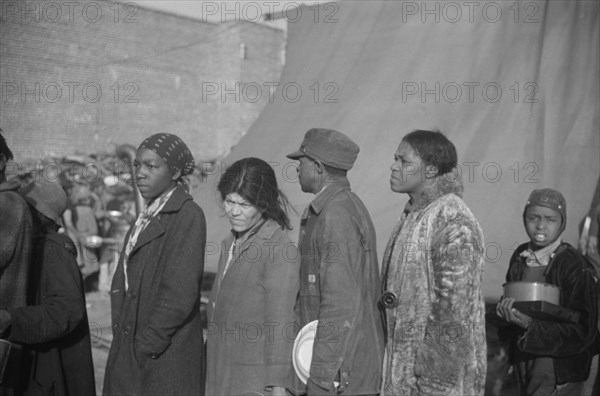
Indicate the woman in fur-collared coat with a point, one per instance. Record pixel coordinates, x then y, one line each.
434 270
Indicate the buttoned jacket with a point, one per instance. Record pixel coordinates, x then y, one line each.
571 345
340 286
157 346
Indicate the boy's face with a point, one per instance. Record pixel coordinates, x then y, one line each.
542 225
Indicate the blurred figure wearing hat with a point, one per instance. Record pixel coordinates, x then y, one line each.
53 328
339 272
16 235
433 271
80 223
551 356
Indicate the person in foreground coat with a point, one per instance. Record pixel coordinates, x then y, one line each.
53 328
157 346
251 310
339 272
433 267
16 236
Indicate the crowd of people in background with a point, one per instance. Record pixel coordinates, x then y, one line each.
417 327
99 212
97 219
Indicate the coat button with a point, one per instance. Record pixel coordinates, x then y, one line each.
132 294
154 355
127 329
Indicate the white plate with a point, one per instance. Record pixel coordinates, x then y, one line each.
93 241
303 349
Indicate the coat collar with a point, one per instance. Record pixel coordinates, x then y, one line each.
10 185
155 227
265 231
177 200
324 196
450 182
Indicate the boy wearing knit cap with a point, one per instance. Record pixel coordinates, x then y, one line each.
551 356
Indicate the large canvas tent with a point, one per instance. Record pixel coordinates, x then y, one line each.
515 85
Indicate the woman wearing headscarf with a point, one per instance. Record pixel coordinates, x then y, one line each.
251 309
157 346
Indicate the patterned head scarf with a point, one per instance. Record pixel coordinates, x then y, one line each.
172 150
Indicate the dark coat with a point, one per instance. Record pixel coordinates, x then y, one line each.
16 236
251 314
571 345
340 286
157 346
54 328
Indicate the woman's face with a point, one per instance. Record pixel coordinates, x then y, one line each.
241 214
153 176
408 171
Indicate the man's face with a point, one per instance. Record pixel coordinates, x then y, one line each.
407 171
307 174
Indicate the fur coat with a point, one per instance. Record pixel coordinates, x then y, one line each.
434 264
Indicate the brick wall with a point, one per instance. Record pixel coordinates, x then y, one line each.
82 77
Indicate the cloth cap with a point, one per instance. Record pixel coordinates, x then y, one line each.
172 150
330 147
549 198
46 197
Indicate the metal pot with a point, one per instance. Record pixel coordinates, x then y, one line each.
532 291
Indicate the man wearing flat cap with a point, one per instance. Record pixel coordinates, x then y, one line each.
339 273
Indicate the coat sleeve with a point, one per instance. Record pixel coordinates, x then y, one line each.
340 248
579 293
179 288
457 264
508 332
62 305
14 217
282 284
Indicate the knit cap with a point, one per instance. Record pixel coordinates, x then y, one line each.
549 198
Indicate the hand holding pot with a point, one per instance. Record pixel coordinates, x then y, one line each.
505 310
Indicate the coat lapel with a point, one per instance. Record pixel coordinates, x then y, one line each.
216 289
150 233
155 229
